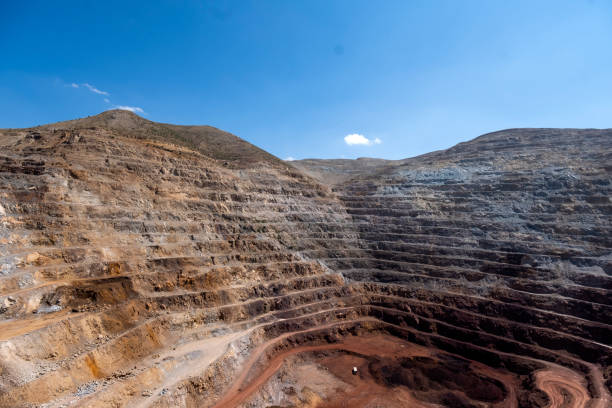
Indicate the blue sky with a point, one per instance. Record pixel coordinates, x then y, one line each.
297 77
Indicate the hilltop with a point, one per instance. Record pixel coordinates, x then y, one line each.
208 140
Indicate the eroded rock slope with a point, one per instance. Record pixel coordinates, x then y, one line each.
130 266
146 264
498 249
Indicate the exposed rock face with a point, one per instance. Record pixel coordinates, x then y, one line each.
150 265
498 249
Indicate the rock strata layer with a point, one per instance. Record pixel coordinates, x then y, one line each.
498 249
146 264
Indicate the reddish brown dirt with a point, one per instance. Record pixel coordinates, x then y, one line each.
240 389
564 388
364 391
367 388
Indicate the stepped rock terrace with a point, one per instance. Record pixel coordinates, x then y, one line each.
154 265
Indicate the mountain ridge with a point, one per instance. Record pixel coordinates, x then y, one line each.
211 141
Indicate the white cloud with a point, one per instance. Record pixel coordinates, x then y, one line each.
107 100
130 108
93 89
357 139
290 158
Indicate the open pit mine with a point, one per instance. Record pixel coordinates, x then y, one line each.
153 265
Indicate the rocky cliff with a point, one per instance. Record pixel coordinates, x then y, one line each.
498 248
147 264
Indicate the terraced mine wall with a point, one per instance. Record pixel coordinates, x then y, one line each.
145 268
497 249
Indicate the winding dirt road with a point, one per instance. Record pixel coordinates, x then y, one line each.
239 393
363 393
564 388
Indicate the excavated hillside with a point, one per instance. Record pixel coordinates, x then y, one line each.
154 265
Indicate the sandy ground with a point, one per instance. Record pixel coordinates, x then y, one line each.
14 328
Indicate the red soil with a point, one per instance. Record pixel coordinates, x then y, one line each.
364 390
